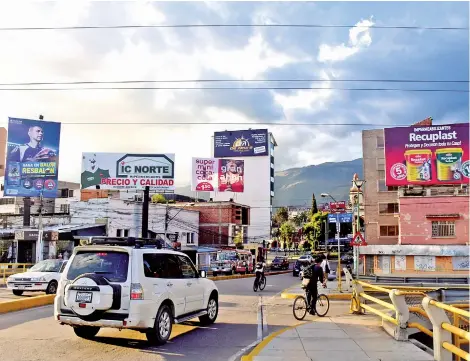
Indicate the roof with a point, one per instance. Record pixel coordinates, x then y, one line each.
207 204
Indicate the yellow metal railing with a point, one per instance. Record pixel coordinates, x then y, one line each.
8 269
460 336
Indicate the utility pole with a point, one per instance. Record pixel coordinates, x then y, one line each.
338 225
145 212
166 220
40 242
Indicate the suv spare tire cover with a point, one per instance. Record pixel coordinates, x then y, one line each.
101 295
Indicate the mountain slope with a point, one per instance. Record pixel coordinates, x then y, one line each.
294 187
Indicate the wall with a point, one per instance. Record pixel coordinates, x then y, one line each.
256 195
415 227
124 215
373 164
443 266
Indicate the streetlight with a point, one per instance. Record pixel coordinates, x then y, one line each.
325 195
356 188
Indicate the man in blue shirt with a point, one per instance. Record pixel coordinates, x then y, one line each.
32 151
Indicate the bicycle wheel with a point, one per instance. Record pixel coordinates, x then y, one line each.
255 286
262 284
323 305
299 308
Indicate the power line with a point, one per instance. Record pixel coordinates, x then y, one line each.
182 26
237 88
236 81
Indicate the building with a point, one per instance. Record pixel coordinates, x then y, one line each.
258 191
124 219
67 192
220 222
411 229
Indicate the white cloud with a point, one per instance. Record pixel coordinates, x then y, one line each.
359 38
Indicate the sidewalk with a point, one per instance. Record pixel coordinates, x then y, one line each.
346 338
331 291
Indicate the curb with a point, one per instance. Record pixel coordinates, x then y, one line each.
331 296
25 303
223 278
258 348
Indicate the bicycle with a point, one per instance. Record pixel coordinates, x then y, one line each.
261 284
300 303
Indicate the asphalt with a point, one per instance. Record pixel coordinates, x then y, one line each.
33 334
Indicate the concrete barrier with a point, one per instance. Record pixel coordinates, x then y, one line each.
25 303
222 278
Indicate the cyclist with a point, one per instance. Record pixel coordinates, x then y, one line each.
315 274
260 269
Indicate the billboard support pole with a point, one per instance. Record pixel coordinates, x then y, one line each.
145 212
40 241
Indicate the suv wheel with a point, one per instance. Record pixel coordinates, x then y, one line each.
161 331
17 292
212 312
86 332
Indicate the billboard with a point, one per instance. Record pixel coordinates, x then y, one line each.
220 175
341 217
338 206
241 143
121 171
430 155
32 160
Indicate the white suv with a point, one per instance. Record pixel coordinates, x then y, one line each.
135 284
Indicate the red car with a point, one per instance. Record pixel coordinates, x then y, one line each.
280 263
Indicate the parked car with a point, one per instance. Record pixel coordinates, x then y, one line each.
306 257
132 283
42 277
280 262
298 267
347 259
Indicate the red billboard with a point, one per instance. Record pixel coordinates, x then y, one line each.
336 207
430 155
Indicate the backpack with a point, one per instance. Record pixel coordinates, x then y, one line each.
308 272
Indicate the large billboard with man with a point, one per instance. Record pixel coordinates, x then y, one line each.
432 155
121 171
32 160
241 143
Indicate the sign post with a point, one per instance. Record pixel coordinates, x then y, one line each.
358 241
339 252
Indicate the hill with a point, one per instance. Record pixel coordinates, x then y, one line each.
294 187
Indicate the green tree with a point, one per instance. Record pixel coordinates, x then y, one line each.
314 209
281 216
286 231
314 230
300 218
158 198
238 240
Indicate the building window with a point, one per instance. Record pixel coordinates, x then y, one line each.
443 229
381 174
122 233
380 141
65 208
388 208
388 231
189 238
383 188
380 164
70 193
4 201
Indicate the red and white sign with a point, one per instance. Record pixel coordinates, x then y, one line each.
358 240
204 174
338 206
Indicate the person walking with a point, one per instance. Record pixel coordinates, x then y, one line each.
325 265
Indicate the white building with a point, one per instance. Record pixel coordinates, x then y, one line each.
124 219
258 192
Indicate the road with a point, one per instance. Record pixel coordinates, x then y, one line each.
33 335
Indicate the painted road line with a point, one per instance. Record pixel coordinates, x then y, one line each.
261 345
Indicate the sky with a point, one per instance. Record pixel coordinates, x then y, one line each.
324 54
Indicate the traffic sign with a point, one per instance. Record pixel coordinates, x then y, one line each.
358 240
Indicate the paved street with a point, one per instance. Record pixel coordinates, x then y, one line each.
34 335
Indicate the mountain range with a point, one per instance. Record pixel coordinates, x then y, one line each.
294 186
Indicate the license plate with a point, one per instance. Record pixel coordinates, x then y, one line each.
21 287
83 297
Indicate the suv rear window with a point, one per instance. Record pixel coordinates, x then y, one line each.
112 265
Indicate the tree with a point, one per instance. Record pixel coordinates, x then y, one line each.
314 209
281 216
314 230
300 218
238 240
158 198
286 231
